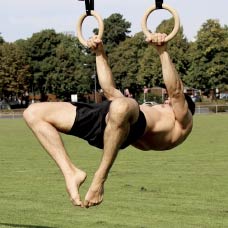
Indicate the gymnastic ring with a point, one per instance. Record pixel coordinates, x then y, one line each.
79 26
176 21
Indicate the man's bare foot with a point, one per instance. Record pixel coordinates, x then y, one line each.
73 183
95 194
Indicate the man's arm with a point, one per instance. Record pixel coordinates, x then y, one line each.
172 80
174 87
105 76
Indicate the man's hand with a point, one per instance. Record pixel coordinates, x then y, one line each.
158 40
95 44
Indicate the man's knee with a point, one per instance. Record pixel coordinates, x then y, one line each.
124 109
31 114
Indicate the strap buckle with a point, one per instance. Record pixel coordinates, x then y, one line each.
89 5
158 4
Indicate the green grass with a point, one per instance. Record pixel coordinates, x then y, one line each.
183 188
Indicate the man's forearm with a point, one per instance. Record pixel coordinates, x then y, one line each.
170 75
104 72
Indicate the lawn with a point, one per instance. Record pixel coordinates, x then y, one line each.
185 187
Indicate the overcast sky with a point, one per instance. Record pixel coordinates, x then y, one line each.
19 19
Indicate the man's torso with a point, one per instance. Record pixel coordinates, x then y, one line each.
163 132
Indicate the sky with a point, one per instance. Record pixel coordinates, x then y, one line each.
19 19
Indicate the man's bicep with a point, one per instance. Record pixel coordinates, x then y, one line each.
180 108
112 93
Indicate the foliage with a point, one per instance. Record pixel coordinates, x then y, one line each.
14 70
1 39
41 50
116 30
56 64
68 76
150 73
209 57
51 62
124 61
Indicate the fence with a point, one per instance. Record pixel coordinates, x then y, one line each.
200 109
211 109
11 114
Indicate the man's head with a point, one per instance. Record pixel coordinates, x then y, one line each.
191 104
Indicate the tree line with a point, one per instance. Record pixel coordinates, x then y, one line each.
57 63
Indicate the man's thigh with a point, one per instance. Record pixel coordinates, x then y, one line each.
59 114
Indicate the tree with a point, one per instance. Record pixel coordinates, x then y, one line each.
1 39
150 73
41 50
135 63
124 61
116 30
14 71
209 57
70 74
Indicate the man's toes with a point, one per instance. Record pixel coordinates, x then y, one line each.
92 204
88 204
76 202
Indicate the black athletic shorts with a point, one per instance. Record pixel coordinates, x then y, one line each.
90 124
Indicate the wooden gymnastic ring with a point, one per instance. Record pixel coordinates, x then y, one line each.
80 22
176 21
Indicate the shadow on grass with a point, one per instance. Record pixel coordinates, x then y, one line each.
24 226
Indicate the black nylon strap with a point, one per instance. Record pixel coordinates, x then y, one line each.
158 4
89 4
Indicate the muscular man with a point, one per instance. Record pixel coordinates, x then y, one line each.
113 124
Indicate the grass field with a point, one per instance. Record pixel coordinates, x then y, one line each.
182 188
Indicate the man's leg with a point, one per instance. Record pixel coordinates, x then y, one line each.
46 121
122 114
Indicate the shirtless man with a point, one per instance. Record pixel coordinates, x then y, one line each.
113 124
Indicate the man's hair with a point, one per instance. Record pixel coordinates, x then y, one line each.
191 104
